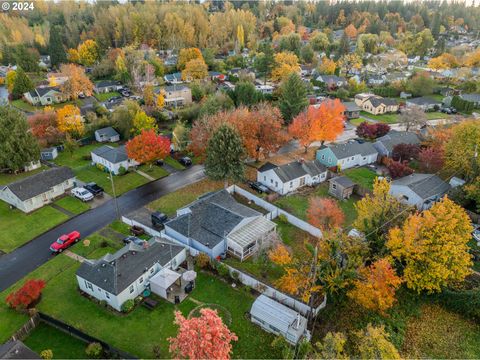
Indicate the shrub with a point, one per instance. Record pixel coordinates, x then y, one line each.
103 303
223 270
94 350
283 218
128 305
405 152
46 354
202 260
465 303
235 275
87 157
122 170
100 167
27 295
398 169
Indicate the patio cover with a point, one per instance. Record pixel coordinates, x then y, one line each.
252 231
164 278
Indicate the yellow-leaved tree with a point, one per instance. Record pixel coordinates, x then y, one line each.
70 121
285 63
195 69
142 121
432 246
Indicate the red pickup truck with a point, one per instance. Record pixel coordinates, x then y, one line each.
64 242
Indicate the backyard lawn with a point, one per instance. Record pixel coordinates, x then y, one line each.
9 178
63 346
436 115
169 204
173 163
17 228
384 118
361 176
358 121
105 96
154 171
72 204
23 105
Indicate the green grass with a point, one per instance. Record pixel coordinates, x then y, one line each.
169 204
361 176
173 163
78 158
23 105
17 228
105 96
9 178
62 345
298 204
154 171
436 115
358 121
73 205
384 118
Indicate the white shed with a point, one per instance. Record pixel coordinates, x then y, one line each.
279 319
162 281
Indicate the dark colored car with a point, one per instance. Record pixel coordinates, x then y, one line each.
259 187
94 189
185 161
137 230
158 219
133 239
159 162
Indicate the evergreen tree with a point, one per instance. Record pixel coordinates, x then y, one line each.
293 99
22 84
265 60
225 152
55 47
344 45
245 94
17 144
436 25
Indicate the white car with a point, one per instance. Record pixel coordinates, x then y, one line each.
82 194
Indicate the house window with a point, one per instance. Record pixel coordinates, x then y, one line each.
329 160
405 197
323 156
264 178
151 270
271 181
107 295
364 158
302 181
276 183
334 186
99 290
131 289
291 184
141 280
353 157
88 285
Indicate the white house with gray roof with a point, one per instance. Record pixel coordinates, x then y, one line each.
107 134
292 176
124 275
419 190
35 191
385 144
346 156
216 224
112 158
45 95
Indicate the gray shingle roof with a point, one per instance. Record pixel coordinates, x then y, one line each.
424 185
295 169
116 272
342 151
174 88
15 349
351 106
424 100
471 97
375 101
211 218
107 83
398 137
112 154
108 131
39 183
343 181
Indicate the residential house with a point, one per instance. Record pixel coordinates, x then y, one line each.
112 158
106 86
124 275
345 156
216 224
424 102
15 349
279 319
385 144
448 91
375 104
56 78
373 80
245 73
177 95
45 95
216 76
264 89
306 70
175 78
352 111
35 191
44 61
420 190
292 176
341 187
107 134
405 95
332 81
397 76
473 98
50 153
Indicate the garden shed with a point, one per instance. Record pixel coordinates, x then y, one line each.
341 187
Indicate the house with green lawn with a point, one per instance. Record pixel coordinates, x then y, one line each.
348 155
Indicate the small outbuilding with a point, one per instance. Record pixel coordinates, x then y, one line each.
49 153
279 319
107 134
341 187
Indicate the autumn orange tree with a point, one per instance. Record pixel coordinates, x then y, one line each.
77 81
195 69
70 121
351 31
444 61
322 123
187 54
203 337
376 286
432 247
324 213
148 147
44 128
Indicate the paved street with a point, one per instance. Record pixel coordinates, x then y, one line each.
17 264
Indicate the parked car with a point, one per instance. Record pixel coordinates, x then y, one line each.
137 230
185 161
134 239
114 99
125 93
64 242
158 219
159 162
82 194
94 189
476 235
258 187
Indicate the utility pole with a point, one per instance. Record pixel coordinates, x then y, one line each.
117 210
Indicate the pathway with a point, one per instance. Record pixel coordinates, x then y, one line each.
146 176
62 210
74 256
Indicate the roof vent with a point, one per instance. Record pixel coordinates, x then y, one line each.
103 265
134 252
124 256
112 263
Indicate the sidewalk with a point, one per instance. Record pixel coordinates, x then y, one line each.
74 256
146 176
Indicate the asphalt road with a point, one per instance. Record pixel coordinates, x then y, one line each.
15 265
